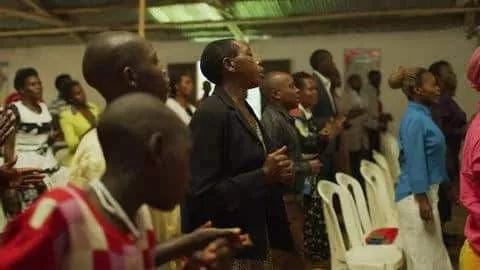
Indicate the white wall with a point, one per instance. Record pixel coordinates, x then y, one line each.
398 48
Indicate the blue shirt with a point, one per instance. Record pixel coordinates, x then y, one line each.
422 152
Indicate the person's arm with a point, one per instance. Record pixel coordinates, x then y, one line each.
9 147
186 245
37 238
68 131
211 139
279 136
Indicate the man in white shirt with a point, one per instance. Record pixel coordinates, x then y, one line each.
357 135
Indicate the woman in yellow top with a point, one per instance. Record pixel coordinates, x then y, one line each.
78 117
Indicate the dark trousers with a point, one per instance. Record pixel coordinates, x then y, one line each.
444 204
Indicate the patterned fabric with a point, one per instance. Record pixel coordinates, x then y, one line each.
63 231
469 259
316 248
422 241
33 151
315 229
88 164
245 264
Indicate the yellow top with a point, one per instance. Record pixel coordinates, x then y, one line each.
74 125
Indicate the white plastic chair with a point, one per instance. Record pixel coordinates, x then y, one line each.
383 163
352 185
381 205
358 255
391 151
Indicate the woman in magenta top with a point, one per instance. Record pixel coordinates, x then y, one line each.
470 178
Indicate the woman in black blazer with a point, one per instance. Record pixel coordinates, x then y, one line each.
231 171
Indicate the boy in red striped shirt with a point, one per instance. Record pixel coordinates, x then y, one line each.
108 225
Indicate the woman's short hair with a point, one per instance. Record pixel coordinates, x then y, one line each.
211 61
21 76
174 79
66 90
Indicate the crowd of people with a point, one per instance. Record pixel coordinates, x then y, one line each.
159 180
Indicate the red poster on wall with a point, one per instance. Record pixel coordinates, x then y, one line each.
361 61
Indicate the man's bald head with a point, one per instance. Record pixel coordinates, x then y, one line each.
272 82
279 88
114 63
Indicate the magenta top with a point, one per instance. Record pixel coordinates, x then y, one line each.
470 182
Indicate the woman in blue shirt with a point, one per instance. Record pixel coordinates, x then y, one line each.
422 163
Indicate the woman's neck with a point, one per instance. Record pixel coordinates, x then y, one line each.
238 94
182 100
32 105
80 106
422 102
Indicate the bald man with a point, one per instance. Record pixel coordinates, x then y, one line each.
116 64
282 96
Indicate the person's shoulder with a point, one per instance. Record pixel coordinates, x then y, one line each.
92 106
88 162
49 205
212 108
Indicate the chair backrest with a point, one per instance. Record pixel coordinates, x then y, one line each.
383 164
382 209
327 190
353 187
391 151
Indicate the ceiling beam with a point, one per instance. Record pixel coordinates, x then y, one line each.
232 27
118 7
10 12
266 21
40 10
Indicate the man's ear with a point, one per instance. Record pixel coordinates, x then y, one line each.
276 94
155 146
130 77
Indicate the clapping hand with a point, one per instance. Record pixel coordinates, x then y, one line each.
218 254
278 167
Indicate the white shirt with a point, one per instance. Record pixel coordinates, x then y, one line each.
308 113
356 135
327 84
180 111
369 96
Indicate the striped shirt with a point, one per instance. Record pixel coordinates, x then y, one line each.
62 230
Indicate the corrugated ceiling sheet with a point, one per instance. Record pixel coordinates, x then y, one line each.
279 8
